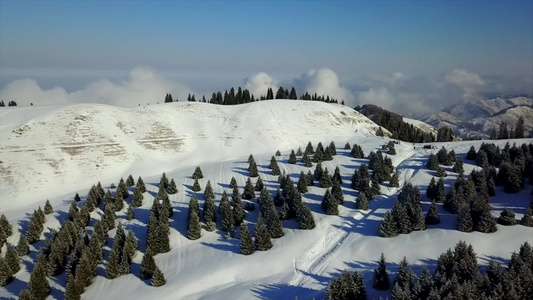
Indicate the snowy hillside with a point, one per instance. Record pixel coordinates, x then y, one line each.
475 117
58 149
421 125
67 149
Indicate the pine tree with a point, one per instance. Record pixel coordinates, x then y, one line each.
527 219
172 189
48 208
458 166
278 153
193 221
247 244
306 160
432 217
236 204
388 227
325 179
276 170
130 214
148 265
5 273
197 173
38 284
431 190
361 202
22 247
259 185
124 266
432 162
380 278
309 178
292 157
164 181
464 220
485 223
196 186
337 175
72 291
140 185
318 172
329 204
233 183
440 193
305 217
262 236
34 229
507 217
77 197
254 172
209 213
12 259
274 225
336 191
441 172
249 191
347 146
375 189
130 181
227 220
302 183
158 279
278 198
113 264
471 154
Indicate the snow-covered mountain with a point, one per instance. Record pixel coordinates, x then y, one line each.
54 152
60 148
421 125
479 117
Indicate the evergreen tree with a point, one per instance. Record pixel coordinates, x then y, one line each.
278 153
309 178
458 166
247 244
77 197
464 220
253 169
305 217
12 259
130 214
158 279
318 172
292 157
274 225
130 181
259 185
278 198
236 204
34 229
276 170
262 236
441 172
48 208
249 190
440 193
431 190
507 217
193 221
148 265
527 219
337 175
309 148
306 160
325 179
347 146
140 185
227 220
72 291
375 189
388 227
336 191
432 162
380 278
346 286
485 222
361 202
137 200
22 247
233 183
5 273
38 284
432 217
196 186
197 173
172 189
209 213
329 204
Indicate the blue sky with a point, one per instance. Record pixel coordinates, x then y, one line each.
210 44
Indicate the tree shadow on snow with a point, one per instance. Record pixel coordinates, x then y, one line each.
231 244
285 291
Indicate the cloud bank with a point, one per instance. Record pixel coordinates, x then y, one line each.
398 91
143 85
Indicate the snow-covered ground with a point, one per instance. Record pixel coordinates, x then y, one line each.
219 139
421 125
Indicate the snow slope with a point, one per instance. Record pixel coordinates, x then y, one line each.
301 262
421 125
63 148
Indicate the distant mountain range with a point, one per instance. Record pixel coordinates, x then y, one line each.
472 118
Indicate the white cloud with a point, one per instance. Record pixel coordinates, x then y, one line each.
258 84
28 91
323 82
143 85
462 78
380 97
